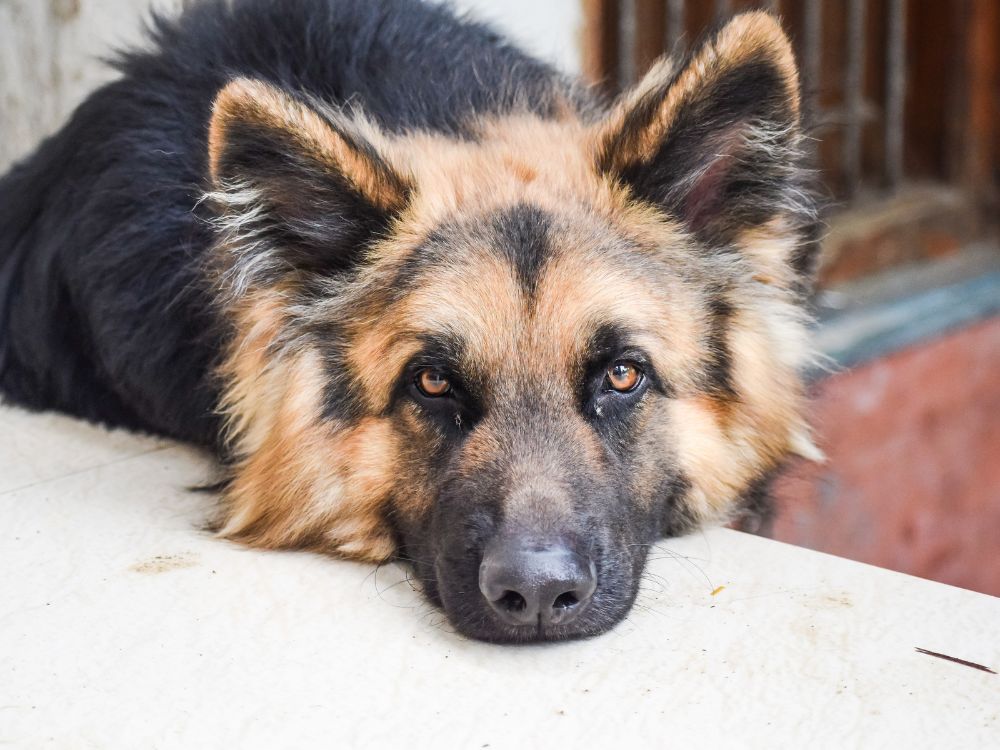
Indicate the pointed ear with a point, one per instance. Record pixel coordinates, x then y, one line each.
714 141
302 187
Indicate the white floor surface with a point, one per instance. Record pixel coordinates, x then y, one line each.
124 625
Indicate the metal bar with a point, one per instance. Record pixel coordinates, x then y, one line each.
721 10
975 157
627 72
812 42
854 93
895 88
600 43
675 25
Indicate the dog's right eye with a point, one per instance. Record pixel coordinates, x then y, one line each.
623 377
433 383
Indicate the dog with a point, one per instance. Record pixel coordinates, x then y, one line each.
426 298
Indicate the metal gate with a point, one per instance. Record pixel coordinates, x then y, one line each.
902 97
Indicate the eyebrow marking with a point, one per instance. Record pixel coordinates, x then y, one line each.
718 368
522 239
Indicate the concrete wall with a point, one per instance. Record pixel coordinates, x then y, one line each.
50 52
551 29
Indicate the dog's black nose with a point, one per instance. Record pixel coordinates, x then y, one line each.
531 584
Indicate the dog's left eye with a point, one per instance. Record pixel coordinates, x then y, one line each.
623 377
433 383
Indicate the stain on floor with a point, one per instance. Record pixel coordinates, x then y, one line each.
165 563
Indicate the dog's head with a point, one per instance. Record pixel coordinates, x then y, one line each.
519 357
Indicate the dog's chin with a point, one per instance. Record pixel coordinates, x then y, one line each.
482 626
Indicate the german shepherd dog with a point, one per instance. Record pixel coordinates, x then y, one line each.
425 297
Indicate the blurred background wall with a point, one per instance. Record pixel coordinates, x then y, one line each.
905 102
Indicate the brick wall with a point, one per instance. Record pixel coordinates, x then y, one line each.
913 477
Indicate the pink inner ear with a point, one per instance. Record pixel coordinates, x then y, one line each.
703 200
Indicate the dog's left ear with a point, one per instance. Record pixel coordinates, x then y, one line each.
714 142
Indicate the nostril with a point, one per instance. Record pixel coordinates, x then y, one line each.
511 601
565 601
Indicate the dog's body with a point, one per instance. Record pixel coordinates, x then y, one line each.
426 296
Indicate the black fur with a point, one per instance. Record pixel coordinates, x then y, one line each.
718 369
103 309
522 235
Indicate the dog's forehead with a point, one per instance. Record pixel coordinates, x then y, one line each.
510 159
519 277
524 288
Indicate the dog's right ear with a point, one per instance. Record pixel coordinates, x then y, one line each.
715 141
298 187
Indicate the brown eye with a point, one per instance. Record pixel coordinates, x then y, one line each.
433 383
623 377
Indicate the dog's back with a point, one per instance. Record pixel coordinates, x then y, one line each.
103 309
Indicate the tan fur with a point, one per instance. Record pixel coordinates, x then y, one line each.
480 301
721 448
254 384
309 484
770 248
299 481
466 178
